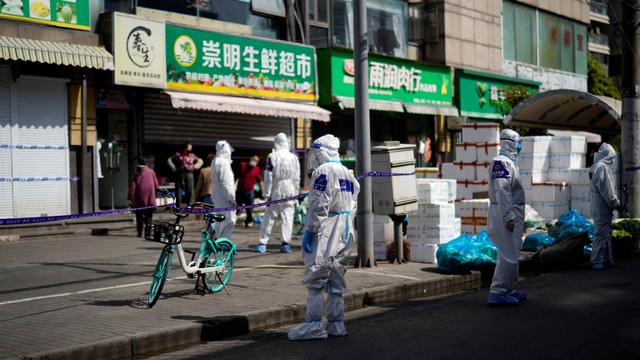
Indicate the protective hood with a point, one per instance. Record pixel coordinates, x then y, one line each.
324 149
280 142
223 149
509 141
606 154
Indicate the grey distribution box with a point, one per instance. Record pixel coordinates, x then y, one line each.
394 195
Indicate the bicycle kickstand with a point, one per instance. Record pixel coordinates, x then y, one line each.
221 282
200 286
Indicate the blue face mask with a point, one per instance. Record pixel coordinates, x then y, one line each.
518 148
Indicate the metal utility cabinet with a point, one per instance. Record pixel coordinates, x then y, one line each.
394 195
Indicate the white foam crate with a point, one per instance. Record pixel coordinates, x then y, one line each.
379 250
567 160
458 170
430 192
550 191
473 228
382 228
472 208
432 234
466 188
528 177
485 151
533 161
466 152
482 170
578 176
536 144
451 184
580 191
433 214
568 144
475 133
550 210
424 253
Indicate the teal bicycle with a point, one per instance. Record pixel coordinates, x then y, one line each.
299 217
213 265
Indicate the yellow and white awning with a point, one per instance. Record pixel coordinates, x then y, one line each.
95 57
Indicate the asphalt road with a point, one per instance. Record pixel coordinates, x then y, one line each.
576 314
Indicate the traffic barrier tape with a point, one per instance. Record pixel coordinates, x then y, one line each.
43 219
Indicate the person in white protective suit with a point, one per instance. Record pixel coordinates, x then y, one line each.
281 181
506 219
603 202
327 242
223 191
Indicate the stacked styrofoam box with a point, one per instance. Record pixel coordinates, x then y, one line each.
536 161
579 176
473 215
466 152
467 188
568 152
382 234
550 192
528 177
434 222
536 144
581 199
458 170
482 170
427 173
481 133
550 210
486 151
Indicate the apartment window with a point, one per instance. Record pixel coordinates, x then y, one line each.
519 33
319 12
416 23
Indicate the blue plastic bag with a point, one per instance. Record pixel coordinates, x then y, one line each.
466 253
535 242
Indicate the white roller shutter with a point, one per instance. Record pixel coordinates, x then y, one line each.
40 152
165 124
6 188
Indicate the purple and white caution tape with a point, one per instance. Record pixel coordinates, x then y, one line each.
43 219
43 178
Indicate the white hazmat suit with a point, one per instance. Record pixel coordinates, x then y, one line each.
223 188
328 239
603 202
281 180
506 219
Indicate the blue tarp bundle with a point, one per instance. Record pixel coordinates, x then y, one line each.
466 253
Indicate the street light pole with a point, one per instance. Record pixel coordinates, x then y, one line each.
631 104
363 135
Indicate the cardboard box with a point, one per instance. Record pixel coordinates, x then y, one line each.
431 234
568 144
528 177
472 208
427 173
486 151
433 214
536 144
458 170
567 160
467 188
550 191
533 161
482 170
475 133
424 253
430 192
466 152
550 210
571 176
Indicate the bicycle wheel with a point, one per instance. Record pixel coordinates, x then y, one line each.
299 218
223 256
160 274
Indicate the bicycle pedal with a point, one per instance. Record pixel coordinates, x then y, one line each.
200 290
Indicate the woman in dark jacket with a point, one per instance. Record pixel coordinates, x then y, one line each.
142 193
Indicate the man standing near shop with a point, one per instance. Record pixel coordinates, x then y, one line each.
245 194
184 164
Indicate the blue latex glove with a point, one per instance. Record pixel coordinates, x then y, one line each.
309 241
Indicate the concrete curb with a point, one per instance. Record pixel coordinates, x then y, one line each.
156 340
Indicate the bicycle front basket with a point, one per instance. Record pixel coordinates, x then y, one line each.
165 233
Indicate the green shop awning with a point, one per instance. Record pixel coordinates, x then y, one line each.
48 52
379 105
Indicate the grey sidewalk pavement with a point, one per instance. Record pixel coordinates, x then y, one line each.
266 292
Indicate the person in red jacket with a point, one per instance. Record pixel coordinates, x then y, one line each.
142 193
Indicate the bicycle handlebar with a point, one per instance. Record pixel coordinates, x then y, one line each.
175 210
204 205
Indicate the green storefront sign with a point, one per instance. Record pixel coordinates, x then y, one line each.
70 14
481 95
390 79
211 62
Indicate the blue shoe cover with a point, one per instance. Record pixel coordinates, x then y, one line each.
262 248
519 295
501 300
597 266
285 248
